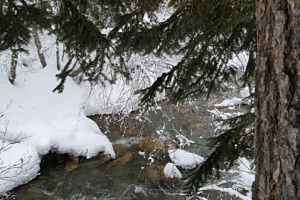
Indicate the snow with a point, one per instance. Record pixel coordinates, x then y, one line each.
217 113
243 181
121 96
183 141
230 191
230 102
246 175
35 121
171 171
244 92
185 159
19 164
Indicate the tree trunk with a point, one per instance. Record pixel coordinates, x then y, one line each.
14 63
38 45
277 92
57 55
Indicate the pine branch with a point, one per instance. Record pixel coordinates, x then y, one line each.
228 147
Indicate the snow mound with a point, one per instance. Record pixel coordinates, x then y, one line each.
34 120
20 163
171 171
185 159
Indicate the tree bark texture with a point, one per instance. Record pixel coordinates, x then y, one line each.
14 63
277 105
38 45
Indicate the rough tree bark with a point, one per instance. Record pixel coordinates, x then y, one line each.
277 138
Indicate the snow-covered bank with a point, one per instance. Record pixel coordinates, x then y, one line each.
34 120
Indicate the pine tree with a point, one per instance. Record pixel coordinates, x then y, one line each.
16 22
92 55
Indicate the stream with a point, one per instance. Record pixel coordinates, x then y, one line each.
137 171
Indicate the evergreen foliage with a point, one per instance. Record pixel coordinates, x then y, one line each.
17 20
80 31
208 34
228 146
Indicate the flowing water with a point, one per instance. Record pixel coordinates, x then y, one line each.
135 173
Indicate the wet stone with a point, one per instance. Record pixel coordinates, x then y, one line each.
172 182
72 163
149 145
125 159
133 131
60 183
182 111
226 185
243 191
172 143
100 159
34 192
37 193
95 172
155 172
120 149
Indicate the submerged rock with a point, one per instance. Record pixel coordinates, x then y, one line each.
172 182
125 159
182 111
194 125
60 183
172 143
72 163
121 149
149 145
133 131
155 172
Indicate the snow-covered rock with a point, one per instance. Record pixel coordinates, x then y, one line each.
185 159
34 120
171 171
